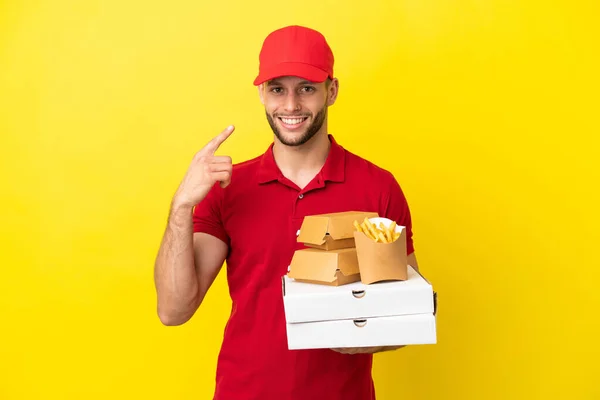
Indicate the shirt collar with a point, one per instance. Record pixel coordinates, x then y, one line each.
333 170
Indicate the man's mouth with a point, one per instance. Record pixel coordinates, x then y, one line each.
292 122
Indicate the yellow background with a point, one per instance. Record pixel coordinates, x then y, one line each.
485 111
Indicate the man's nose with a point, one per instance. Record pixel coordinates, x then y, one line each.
292 103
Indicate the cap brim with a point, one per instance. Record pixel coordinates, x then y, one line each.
304 71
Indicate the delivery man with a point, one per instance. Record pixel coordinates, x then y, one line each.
248 215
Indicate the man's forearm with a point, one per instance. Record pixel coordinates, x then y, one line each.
175 274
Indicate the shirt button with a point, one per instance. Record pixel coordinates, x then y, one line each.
301 196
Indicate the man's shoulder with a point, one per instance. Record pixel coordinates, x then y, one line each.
356 162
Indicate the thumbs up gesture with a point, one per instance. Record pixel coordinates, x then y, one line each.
205 170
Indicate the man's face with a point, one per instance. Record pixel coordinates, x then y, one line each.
296 109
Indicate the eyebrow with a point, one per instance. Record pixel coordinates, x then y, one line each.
276 82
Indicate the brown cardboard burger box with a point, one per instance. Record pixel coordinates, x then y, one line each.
379 261
332 267
331 231
330 258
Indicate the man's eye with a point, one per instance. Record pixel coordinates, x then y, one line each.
308 89
276 90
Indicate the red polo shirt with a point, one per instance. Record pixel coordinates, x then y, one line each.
258 216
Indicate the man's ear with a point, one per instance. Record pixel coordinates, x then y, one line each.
332 91
261 93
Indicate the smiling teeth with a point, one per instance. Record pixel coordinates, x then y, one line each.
292 121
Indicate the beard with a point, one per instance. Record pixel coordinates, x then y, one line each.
304 137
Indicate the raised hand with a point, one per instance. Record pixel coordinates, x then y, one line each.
205 170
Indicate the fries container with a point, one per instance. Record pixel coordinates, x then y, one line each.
332 267
379 261
331 231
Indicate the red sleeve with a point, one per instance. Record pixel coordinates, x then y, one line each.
207 215
396 208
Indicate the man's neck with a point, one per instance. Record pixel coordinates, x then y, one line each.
300 164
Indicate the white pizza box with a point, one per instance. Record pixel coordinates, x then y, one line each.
309 302
418 329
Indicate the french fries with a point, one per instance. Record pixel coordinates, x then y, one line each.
381 233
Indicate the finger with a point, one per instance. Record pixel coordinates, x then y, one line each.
225 182
218 160
200 158
220 167
214 144
223 177
344 350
